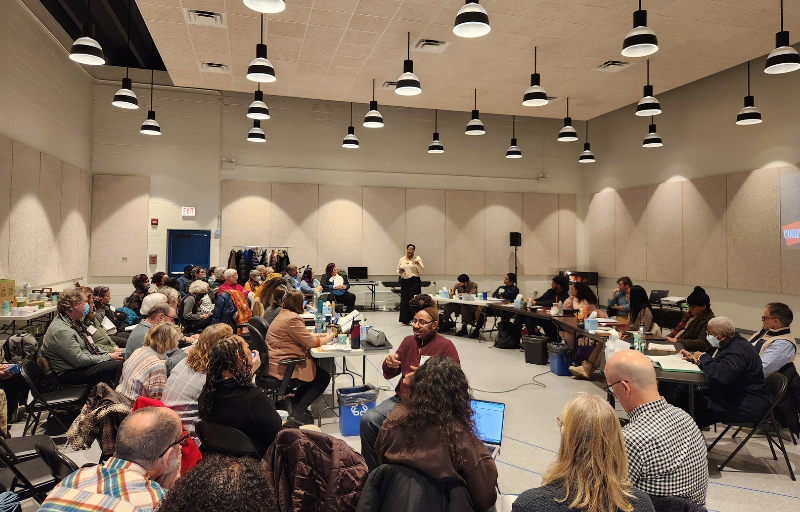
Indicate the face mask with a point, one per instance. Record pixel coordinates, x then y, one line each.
85 309
258 279
713 340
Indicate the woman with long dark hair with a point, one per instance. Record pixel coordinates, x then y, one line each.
141 287
432 431
640 311
230 398
581 295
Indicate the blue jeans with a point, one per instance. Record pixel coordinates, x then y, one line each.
369 427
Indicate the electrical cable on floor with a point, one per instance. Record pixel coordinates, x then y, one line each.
534 383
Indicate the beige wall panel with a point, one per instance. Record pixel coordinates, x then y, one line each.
503 214
665 233
120 223
754 259
540 233
5 202
246 211
601 229
425 228
340 227
71 223
631 233
790 214
705 250
50 178
384 220
567 231
82 268
294 221
464 232
26 214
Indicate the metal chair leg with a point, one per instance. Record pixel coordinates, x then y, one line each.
718 438
735 433
741 445
783 449
771 444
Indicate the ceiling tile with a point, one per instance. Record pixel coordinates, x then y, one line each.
162 13
160 28
368 23
362 38
418 12
216 58
326 18
284 42
294 13
353 50
336 5
378 7
343 72
205 5
329 34
550 10
349 62
249 23
207 45
315 46
402 27
315 58
209 33
286 28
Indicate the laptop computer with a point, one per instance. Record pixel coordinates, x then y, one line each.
657 295
488 417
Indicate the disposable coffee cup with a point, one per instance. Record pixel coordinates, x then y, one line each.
283 414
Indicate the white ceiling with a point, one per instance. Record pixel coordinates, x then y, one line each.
333 49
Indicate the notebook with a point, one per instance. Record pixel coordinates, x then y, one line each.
488 417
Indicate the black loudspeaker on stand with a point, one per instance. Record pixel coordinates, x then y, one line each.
515 238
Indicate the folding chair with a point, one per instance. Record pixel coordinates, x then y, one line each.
33 477
52 401
224 439
20 449
60 465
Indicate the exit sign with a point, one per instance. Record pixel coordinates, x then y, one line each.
187 211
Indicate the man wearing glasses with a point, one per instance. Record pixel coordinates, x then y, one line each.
413 351
145 464
159 313
774 342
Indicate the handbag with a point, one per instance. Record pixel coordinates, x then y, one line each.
507 336
375 337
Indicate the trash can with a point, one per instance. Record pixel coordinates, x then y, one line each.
535 349
353 403
560 358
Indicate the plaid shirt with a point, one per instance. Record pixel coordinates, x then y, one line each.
118 486
667 454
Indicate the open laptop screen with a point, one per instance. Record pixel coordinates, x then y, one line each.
488 418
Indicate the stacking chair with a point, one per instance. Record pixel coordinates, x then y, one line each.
276 389
224 439
777 386
51 401
60 465
20 449
29 479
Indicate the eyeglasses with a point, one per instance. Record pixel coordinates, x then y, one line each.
768 318
609 388
180 440
560 423
420 323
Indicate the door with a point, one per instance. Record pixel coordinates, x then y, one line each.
187 247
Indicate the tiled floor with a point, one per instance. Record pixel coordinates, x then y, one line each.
530 439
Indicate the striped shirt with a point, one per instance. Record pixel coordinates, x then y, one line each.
118 486
181 394
143 374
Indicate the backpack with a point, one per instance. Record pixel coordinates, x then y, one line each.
131 317
507 336
22 347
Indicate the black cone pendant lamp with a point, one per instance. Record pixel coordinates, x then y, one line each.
749 114
513 151
373 119
648 105
475 126
535 95
125 97
641 41
784 58
586 157
85 49
653 140
350 140
436 147
150 126
408 83
472 20
266 6
260 69
567 133
256 134
258 109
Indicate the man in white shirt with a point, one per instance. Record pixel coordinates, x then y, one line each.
774 342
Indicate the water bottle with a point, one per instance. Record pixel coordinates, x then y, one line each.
363 335
319 319
642 337
355 335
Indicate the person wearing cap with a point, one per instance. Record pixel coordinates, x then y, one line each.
558 292
340 292
691 331
467 311
185 280
412 352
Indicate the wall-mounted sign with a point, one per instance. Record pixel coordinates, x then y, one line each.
187 211
791 233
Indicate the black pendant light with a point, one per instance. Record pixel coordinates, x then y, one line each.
408 83
586 157
653 140
749 114
436 146
648 105
350 140
784 58
258 109
535 95
260 69
475 126
125 97
472 20
256 134
266 6
567 133
513 151
150 126
373 119
641 41
86 49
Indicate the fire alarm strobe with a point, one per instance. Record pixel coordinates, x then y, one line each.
154 222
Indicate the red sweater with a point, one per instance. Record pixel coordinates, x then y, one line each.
410 353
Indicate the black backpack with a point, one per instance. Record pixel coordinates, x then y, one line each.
507 336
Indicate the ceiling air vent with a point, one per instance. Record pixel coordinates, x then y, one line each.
213 67
205 18
388 85
430 46
613 66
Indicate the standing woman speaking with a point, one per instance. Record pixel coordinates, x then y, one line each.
410 284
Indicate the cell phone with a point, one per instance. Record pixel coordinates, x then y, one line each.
13 369
252 354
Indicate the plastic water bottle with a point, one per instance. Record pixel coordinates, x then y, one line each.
319 319
642 338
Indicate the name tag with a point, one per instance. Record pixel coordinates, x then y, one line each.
91 330
422 359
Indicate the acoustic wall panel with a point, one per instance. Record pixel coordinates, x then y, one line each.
340 227
26 214
5 202
754 252
464 232
48 261
120 222
246 209
631 233
567 231
540 233
790 219
295 222
384 219
502 215
425 228
665 233
601 225
71 224
705 249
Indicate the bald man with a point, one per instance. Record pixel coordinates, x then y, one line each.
666 452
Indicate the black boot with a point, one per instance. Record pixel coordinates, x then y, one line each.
476 333
463 331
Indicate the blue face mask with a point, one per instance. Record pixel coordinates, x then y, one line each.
86 309
713 340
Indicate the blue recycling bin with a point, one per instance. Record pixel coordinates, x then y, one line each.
354 403
560 355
